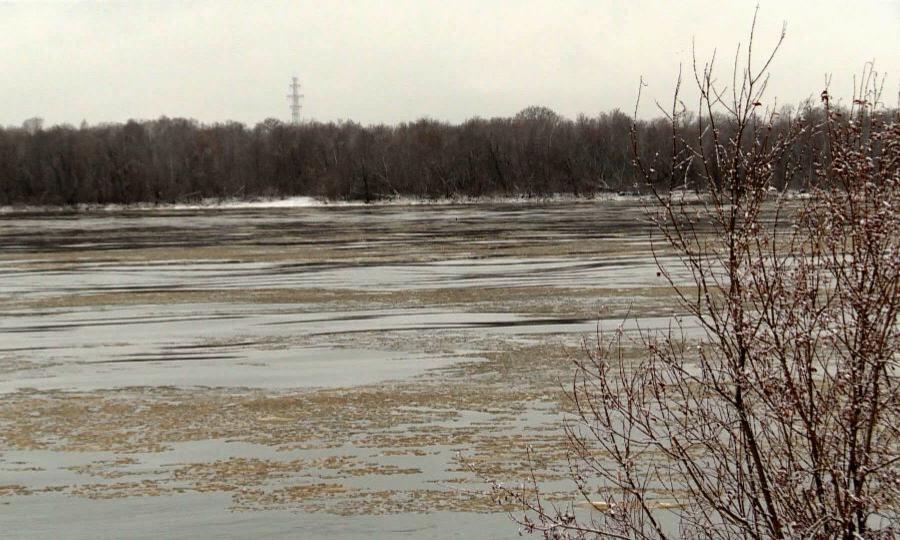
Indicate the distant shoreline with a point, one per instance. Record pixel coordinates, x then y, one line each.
277 203
314 202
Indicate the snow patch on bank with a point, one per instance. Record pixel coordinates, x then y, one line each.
290 202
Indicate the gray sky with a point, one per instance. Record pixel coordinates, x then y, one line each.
396 60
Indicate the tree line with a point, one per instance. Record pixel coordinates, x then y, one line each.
535 153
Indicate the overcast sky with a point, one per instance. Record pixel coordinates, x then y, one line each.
395 60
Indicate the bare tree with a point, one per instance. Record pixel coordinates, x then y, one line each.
772 410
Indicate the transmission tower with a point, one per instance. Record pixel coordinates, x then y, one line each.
295 97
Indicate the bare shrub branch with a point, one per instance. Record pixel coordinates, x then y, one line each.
771 409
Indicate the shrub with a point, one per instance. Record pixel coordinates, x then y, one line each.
781 420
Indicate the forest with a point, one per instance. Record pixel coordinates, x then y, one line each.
536 153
